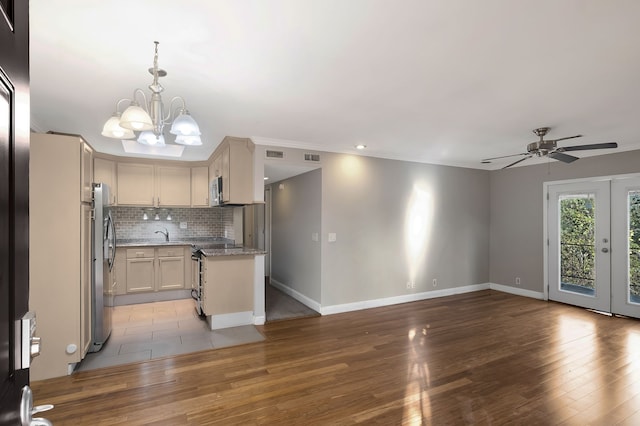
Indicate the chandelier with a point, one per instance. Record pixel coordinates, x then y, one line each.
149 119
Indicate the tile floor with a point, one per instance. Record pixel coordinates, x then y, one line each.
154 330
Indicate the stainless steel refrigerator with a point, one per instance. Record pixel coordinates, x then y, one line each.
103 234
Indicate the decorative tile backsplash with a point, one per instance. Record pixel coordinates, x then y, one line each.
201 222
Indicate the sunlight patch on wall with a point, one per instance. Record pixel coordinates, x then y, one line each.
417 228
351 166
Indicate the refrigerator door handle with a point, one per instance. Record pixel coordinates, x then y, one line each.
111 240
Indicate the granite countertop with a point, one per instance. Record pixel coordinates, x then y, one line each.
151 242
233 251
211 246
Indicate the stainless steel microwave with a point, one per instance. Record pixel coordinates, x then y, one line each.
215 196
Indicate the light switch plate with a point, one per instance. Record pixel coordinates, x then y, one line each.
315 236
332 237
183 225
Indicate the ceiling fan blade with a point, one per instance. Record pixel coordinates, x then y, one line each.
605 145
568 137
488 160
516 162
565 158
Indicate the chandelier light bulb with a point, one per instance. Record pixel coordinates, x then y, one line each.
112 129
185 125
149 138
136 118
189 140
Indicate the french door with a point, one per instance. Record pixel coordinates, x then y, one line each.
579 244
594 245
625 277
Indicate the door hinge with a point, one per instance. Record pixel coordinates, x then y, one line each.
547 196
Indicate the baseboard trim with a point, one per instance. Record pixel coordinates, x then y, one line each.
259 320
517 291
406 298
296 295
394 300
235 319
158 296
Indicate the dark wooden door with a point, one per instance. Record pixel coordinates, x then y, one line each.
14 200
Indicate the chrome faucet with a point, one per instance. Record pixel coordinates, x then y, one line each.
165 233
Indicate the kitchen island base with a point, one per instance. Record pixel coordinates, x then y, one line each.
232 291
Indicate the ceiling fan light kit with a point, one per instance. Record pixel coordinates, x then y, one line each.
549 148
149 119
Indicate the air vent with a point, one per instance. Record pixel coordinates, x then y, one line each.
312 157
274 154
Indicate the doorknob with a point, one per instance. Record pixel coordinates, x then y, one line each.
605 250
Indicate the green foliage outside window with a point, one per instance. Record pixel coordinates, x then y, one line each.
577 238
634 243
577 224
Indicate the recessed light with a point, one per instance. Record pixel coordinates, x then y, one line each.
361 146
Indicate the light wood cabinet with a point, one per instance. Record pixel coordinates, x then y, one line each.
152 185
136 184
85 279
199 186
140 269
170 273
174 186
59 219
140 275
233 161
104 171
228 284
152 269
86 173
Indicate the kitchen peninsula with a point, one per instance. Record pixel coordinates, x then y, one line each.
226 280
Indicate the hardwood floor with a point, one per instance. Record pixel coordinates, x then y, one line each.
477 358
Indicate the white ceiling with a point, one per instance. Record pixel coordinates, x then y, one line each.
437 81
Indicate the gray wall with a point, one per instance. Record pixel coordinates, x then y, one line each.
295 215
367 202
516 245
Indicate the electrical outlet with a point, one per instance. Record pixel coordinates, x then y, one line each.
517 280
435 282
408 284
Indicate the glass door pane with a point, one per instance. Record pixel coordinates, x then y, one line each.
577 243
633 238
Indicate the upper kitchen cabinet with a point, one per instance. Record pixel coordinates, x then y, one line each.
199 186
233 161
174 186
104 171
136 184
86 172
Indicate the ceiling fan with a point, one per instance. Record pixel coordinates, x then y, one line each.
549 148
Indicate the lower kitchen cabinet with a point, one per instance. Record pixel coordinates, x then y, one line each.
150 269
170 273
140 275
